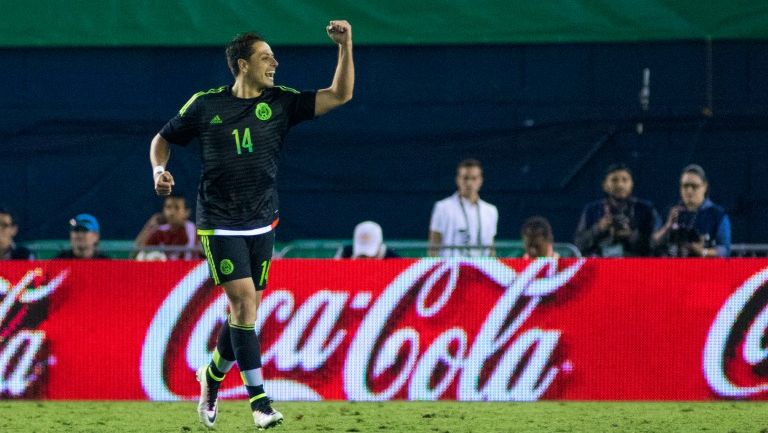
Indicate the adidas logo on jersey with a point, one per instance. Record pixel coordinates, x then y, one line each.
216 120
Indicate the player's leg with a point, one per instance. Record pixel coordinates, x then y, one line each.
227 260
261 257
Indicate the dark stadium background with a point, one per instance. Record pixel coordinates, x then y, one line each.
545 105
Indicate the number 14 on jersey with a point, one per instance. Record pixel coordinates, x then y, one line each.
246 142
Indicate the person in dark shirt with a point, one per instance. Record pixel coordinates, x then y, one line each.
241 129
538 240
620 225
367 243
84 239
695 227
8 230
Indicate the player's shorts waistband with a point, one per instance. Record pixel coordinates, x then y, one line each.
248 232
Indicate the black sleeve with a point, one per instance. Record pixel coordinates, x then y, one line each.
302 107
186 125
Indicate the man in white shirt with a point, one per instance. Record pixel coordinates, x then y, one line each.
462 224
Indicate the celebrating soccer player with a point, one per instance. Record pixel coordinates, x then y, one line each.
241 129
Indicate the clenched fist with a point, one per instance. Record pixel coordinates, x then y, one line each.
340 31
164 183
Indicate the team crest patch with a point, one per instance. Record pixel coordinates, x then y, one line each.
263 112
226 266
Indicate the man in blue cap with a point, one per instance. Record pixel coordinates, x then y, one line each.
84 238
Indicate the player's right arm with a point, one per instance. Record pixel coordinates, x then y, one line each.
159 153
180 130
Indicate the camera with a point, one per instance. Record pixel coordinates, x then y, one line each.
619 219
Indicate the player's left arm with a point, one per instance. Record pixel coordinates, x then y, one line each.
341 89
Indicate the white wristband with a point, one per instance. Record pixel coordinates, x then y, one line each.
158 170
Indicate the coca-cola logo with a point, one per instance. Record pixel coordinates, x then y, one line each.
21 357
402 343
735 353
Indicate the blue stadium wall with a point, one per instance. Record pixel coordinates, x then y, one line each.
545 120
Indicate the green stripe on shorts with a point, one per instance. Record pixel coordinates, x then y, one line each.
204 240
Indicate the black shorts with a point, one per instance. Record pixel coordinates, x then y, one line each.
234 257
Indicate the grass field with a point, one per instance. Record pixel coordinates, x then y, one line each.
410 417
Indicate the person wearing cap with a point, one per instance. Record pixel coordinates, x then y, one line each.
367 243
463 224
695 227
84 239
620 224
8 229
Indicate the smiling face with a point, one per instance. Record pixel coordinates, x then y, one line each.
259 69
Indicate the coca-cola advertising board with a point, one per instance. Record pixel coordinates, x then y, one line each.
476 329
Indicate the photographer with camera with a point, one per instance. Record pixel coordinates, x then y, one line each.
695 227
620 225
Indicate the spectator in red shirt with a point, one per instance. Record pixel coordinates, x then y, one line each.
169 228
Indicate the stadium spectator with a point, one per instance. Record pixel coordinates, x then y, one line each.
695 227
367 243
619 225
463 224
8 230
83 238
537 237
169 228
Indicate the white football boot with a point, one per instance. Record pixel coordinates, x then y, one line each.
207 410
265 417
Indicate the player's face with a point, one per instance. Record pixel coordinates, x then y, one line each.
469 180
260 68
693 189
175 211
618 184
7 230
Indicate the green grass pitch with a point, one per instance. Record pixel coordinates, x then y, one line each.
410 417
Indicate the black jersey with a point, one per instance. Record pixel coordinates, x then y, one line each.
240 143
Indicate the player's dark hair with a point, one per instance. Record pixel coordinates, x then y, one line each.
618 166
536 226
241 47
469 162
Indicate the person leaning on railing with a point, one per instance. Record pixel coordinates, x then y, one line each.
8 230
84 235
367 243
168 229
538 240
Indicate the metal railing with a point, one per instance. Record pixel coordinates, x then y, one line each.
327 248
749 250
409 248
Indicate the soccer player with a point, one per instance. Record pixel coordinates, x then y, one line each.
241 129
